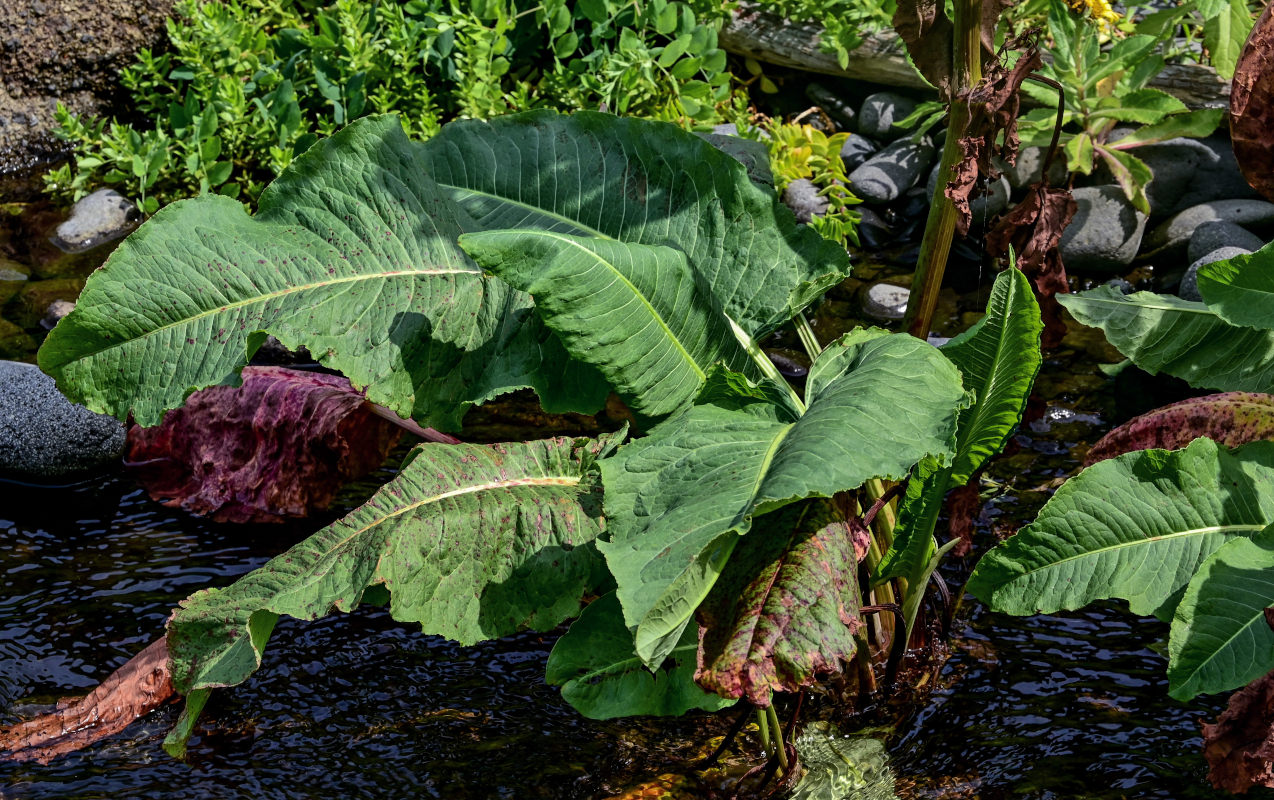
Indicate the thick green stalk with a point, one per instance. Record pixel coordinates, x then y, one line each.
778 736
940 225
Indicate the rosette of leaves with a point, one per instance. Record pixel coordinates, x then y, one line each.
1104 87
654 264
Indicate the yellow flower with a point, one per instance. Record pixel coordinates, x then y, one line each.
1100 10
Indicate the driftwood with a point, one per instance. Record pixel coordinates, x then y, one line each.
881 58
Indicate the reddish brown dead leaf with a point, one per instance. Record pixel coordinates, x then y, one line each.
133 690
1252 106
1240 746
1230 418
994 105
1033 229
786 607
925 29
278 446
963 505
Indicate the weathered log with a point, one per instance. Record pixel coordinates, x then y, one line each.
881 58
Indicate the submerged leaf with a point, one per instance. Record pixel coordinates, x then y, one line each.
839 767
601 676
679 499
636 312
1220 639
472 541
1239 746
1230 418
1161 333
1252 106
352 255
1134 527
785 609
135 689
278 446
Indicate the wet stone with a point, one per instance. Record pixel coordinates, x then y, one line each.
13 276
802 197
891 172
1211 236
15 342
1173 234
1189 289
885 302
55 312
103 216
44 435
1105 233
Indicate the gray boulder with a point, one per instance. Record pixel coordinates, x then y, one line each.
101 217
1211 236
753 155
1029 168
857 149
802 197
880 111
892 171
1189 289
44 435
1175 164
1170 237
1105 233
1221 180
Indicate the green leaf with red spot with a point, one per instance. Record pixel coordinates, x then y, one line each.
785 609
1229 418
472 542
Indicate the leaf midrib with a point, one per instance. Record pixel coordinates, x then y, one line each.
1138 542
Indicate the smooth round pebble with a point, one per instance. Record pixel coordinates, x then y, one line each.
1174 233
103 216
885 302
1211 236
1105 233
892 171
802 197
880 111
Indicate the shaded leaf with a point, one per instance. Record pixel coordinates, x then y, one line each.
1252 106
1032 231
1220 639
472 542
1231 419
132 691
636 312
1135 527
643 182
1194 124
1239 746
785 609
1162 333
680 498
601 676
1131 173
352 255
1240 290
281 445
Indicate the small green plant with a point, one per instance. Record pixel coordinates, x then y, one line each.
246 85
845 22
1102 88
802 151
725 542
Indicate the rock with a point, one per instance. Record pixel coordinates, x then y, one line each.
885 302
1189 289
15 342
1105 232
42 434
1172 235
13 276
873 231
1222 179
1211 236
1029 168
1174 163
55 312
983 207
802 197
35 298
1122 285
73 53
880 111
101 217
892 171
856 150
841 112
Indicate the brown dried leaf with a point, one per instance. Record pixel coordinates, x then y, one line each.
278 446
1252 106
994 105
963 505
133 690
1033 229
1239 747
1230 418
925 29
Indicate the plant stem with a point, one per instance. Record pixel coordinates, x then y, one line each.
940 225
806 334
778 735
763 727
764 363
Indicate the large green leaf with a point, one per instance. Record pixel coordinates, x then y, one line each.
472 542
785 609
643 182
1134 527
635 311
1240 290
353 255
998 359
1221 638
678 499
602 677
1161 333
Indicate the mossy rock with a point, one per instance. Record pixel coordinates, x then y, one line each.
13 276
30 304
15 343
